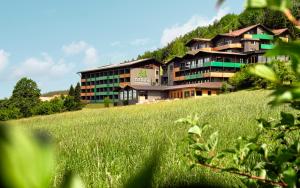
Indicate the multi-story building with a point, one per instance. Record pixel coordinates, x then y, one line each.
105 81
202 71
217 59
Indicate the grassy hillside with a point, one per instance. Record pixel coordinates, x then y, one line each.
105 145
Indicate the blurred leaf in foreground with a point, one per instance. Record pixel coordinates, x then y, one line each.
26 160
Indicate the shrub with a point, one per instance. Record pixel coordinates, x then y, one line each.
225 87
70 104
44 108
57 105
106 102
9 113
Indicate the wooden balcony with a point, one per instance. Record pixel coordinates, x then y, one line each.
87 94
124 75
179 78
88 87
176 69
228 46
207 49
219 74
124 84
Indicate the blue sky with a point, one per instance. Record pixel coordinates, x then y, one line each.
50 41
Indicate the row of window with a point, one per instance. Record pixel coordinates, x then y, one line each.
200 62
128 95
105 73
110 81
100 97
201 80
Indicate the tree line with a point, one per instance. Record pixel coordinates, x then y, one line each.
25 101
270 18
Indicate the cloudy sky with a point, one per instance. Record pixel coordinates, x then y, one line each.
50 41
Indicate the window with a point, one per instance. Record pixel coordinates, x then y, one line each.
209 92
134 94
187 94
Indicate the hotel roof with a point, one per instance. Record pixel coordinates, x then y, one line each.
124 64
279 31
192 41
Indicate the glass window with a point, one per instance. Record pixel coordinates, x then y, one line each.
121 95
130 95
125 95
134 94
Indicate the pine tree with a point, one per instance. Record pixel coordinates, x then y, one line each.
77 91
71 91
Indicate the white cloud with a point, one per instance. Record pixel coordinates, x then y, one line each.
75 48
91 56
169 34
42 67
140 42
81 47
3 59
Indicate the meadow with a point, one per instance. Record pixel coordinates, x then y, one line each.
107 146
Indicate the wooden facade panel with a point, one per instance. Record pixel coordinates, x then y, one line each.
123 84
228 46
124 75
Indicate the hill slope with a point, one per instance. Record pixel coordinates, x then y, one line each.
115 141
269 18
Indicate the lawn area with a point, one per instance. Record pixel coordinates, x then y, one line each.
106 146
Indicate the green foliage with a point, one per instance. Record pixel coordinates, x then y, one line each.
225 87
71 91
278 164
243 79
70 104
106 102
177 48
77 91
268 75
25 96
27 160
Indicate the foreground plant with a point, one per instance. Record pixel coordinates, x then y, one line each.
272 156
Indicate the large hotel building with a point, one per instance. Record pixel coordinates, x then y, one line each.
200 72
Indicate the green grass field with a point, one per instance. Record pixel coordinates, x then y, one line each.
107 146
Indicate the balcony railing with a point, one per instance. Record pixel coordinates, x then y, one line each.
266 46
259 36
223 64
228 46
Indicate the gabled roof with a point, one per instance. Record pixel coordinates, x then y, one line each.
213 52
279 31
125 64
239 32
192 41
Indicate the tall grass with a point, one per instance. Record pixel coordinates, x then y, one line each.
106 146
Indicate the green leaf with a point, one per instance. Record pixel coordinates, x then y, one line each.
280 5
287 119
213 140
72 181
233 151
200 146
262 173
264 72
25 160
290 177
195 130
